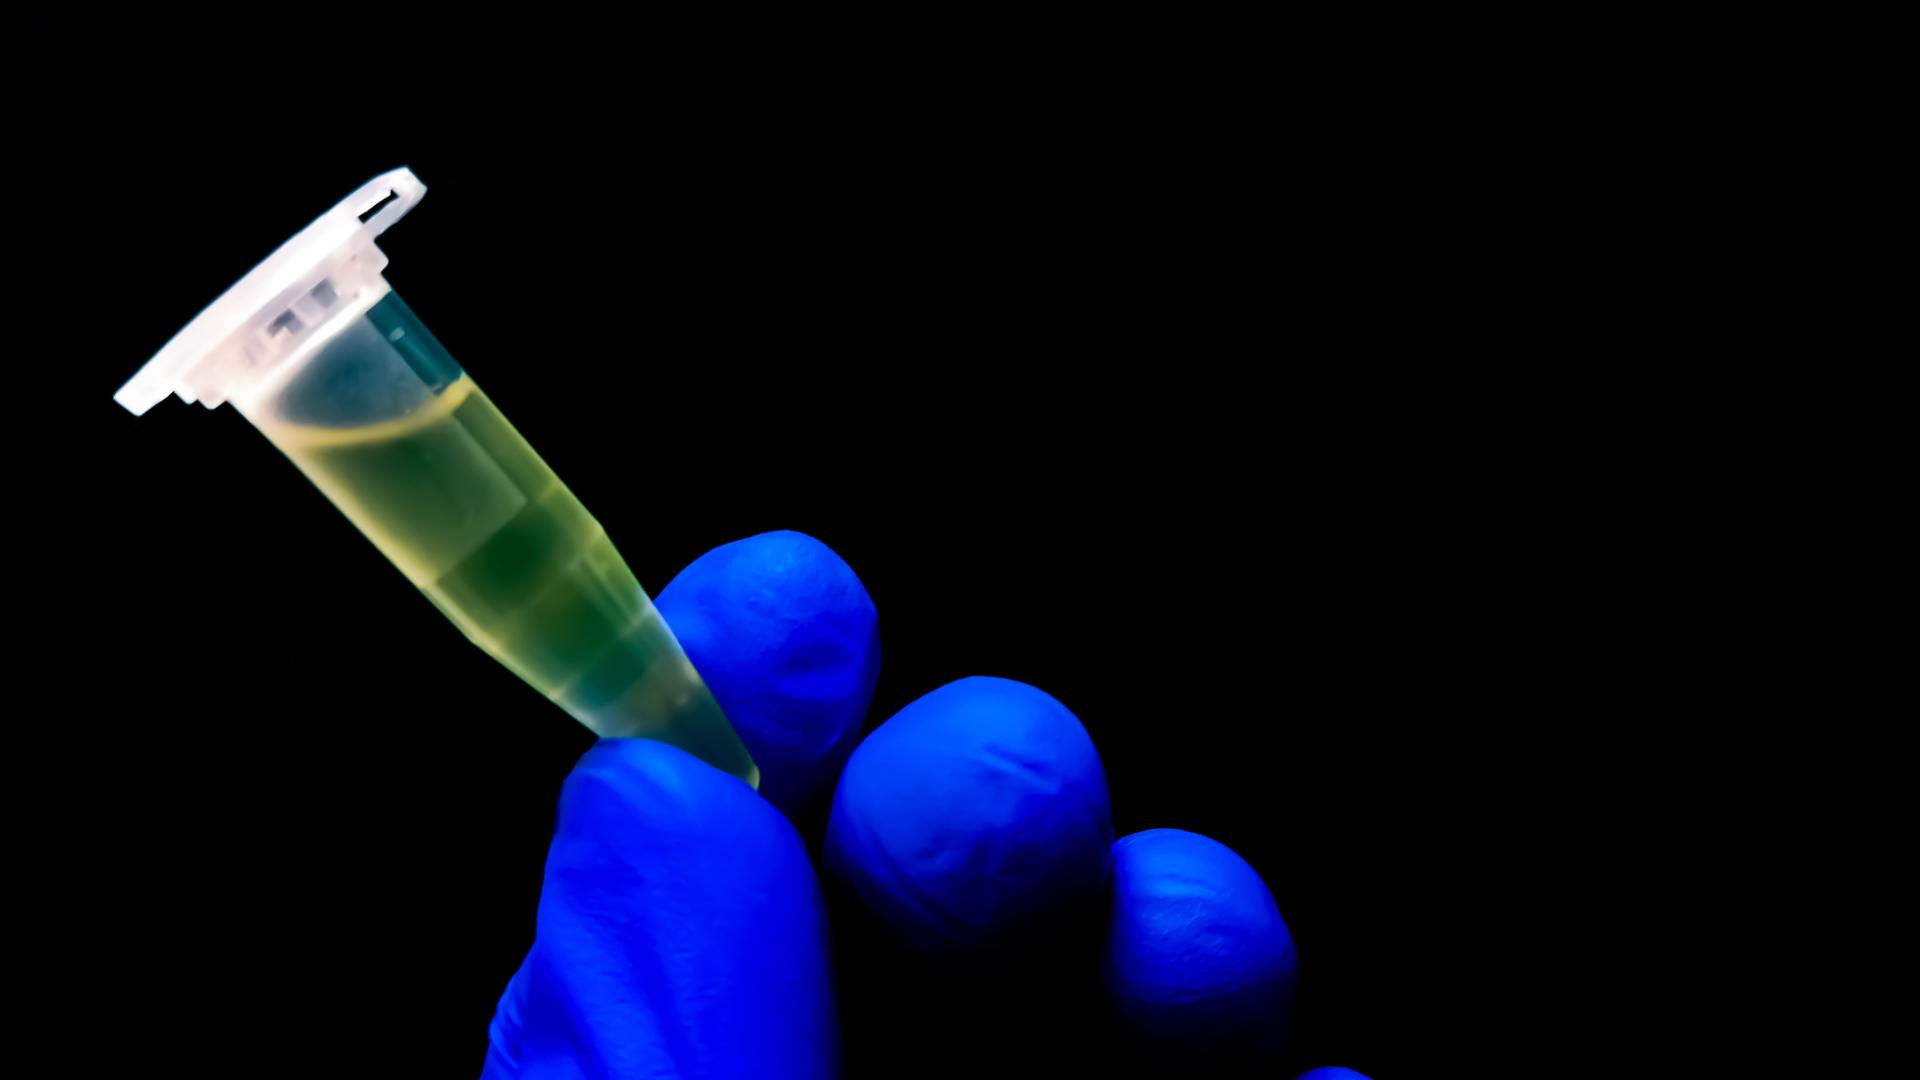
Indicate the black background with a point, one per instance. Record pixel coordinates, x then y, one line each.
1122 408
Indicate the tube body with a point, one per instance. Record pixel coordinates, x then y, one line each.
383 421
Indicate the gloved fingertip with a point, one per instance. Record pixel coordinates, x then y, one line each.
1330 1072
976 810
788 639
632 781
1197 953
680 931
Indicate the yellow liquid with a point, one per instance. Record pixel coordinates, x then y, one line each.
464 507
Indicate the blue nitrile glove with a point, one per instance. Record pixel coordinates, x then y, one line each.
680 930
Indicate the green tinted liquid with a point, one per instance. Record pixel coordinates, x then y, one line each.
464 507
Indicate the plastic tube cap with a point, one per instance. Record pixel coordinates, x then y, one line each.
274 310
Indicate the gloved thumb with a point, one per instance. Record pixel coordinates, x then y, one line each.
680 933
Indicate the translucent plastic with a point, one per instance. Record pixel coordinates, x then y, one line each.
316 349
384 422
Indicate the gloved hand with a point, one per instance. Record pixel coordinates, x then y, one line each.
681 931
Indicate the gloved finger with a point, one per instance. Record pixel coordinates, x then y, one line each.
680 933
788 639
1197 955
1330 1072
976 810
